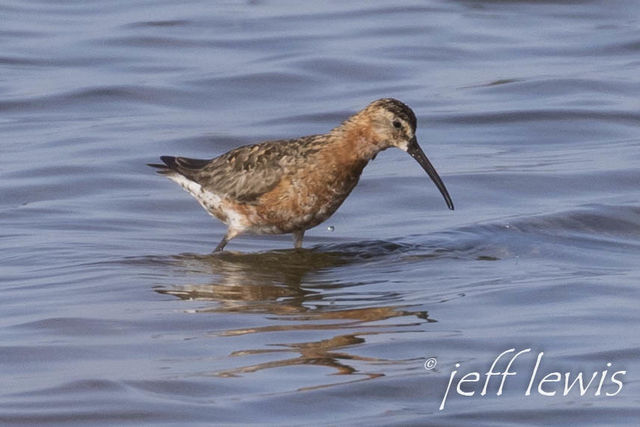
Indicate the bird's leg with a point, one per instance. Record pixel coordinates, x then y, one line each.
297 239
227 237
221 245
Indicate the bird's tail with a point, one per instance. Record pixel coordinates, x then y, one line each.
181 165
160 168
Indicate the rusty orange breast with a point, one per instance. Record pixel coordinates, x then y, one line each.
311 193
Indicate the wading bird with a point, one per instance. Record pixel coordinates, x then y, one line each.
289 186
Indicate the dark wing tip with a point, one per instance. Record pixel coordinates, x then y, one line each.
165 169
178 163
161 169
185 162
181 165
170 161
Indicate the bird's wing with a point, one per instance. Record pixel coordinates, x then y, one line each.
247 172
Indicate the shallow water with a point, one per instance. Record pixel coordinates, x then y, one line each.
115 311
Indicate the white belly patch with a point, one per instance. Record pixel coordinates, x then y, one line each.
212 203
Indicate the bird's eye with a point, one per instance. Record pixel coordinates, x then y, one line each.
396 124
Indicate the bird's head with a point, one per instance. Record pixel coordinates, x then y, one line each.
393 124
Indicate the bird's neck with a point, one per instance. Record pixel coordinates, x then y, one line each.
357 141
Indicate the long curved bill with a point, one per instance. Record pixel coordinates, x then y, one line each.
416 152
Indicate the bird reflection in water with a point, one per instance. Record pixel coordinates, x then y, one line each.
291 286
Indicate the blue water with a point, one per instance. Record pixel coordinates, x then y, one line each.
114 311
